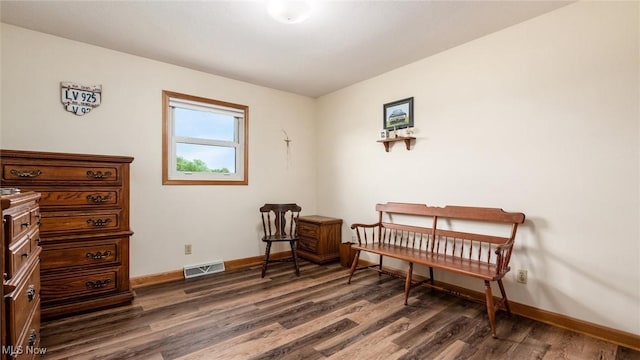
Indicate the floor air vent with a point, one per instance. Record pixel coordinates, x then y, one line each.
203 269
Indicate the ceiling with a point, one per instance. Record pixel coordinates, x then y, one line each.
343 42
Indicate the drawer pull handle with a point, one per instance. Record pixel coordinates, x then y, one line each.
98 284
26 173
31 293
25 255
32 338
99 255
98 174
25 224
98 199
98 222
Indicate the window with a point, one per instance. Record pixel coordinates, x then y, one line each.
204 141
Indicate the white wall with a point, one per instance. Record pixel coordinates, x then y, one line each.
221 222
543 118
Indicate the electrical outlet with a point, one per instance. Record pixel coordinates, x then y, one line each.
187 249
521 276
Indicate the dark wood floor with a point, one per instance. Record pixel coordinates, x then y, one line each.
238 315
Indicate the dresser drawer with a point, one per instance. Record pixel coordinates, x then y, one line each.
22 218
20 252
23 301
65 222
307 229
79 284
34 215
81 254
308 244
19 223
29 347
80 198
29 172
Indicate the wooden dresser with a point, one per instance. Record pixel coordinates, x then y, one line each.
21 285
85 226
320 238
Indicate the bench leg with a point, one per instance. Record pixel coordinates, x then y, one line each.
431 280
407 284
431 275
354 265
504 297
380 267
491 311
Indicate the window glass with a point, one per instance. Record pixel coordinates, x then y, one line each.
205 158
204 124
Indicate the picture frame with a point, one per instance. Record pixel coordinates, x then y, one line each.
397 114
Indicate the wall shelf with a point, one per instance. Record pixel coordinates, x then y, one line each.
406 139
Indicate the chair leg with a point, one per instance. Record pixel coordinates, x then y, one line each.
407 284
504 297
491 311
295 257
354 265
266 258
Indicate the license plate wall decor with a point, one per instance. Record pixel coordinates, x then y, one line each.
80 99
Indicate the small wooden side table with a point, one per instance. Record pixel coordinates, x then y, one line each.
320 238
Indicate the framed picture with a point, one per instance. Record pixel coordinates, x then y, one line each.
398 114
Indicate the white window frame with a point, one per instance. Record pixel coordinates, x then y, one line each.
170 176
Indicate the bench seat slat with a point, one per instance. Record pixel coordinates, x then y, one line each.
477 269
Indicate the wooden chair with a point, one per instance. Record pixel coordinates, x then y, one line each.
279 225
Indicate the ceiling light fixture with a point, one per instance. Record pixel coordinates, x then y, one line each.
289 11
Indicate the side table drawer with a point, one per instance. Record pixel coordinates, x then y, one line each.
83 254
308 244
307 229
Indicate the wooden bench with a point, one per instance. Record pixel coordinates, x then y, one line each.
471 241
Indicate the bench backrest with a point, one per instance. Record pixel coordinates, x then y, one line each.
473 233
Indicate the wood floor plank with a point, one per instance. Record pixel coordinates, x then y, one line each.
452 351
376 345
304 344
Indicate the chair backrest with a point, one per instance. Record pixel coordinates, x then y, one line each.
280 219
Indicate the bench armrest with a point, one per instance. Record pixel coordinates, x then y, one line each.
503 256
357 225
367 233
